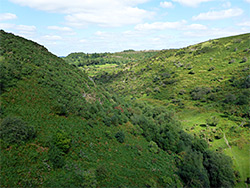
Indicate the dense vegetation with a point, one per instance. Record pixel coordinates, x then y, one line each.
81 59
93 63
206 84
60 129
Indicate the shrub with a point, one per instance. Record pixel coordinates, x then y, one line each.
60 110
89 178
62 141
136 130
229 98
56 157
108 134
213 121
15 130
120 136
153 147
244 59
101 172
199 93
246 82
231 61
211 68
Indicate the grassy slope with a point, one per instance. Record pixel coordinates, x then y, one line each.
168 79
50 96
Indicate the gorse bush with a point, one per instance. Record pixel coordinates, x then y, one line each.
15 130
56 156
153 147
212 121
120 136
62 141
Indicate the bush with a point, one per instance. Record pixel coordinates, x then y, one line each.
108 134
199 93
89 178
101 172
153 147
136 130
56 157
229 98
231 61
244 59
120 136
211 68
62 141
15 130
213 121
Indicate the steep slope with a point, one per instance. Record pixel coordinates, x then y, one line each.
59 130
207 84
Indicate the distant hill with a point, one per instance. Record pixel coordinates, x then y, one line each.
60 129
204 83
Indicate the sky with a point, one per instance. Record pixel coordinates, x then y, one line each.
89 26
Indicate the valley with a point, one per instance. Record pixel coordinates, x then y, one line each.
168 118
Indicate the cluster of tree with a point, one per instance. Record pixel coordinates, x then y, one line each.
198 166
81 59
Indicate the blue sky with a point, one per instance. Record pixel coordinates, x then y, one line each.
89 26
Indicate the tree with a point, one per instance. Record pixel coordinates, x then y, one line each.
219 168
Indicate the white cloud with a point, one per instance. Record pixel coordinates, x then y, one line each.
26 28
248 1
19 28
180 25
6 26
160 25
216 15
213 33
166 4
83 41
191 3
244 24
51 37
227 4
196 27
7 16
100 12
57 28
112 18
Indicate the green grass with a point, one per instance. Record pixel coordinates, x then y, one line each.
241 161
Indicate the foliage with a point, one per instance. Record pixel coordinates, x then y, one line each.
56 157
62 141
153 147
120 136
15 130
219 169
212 121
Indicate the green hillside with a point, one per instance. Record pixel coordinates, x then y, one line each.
206 84
60 129
94 63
